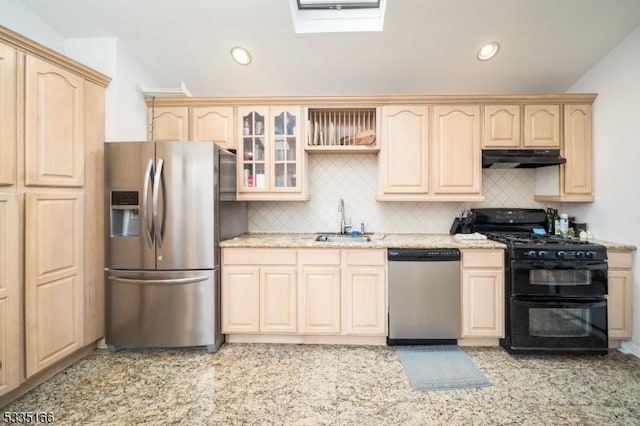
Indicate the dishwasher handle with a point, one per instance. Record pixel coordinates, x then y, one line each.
422 255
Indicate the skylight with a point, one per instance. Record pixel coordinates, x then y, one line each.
324 16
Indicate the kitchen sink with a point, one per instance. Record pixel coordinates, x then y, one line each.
342 238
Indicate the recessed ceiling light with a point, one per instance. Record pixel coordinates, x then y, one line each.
488 51
241 55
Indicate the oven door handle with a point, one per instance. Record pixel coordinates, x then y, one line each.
559 264
547 302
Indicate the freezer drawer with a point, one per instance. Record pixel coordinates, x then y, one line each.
147 309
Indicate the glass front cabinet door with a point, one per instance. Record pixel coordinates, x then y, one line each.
270 157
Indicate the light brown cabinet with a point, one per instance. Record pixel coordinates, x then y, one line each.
572 181
502 126
7 114
319 292
53 126
259 291
620 297
482 293
51 209
198 123
436 159
213 123
168 123
326 292
365 293
541 126
271 161
10 299
404 154
54 299
457 151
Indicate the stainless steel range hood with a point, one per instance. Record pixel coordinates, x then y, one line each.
520 158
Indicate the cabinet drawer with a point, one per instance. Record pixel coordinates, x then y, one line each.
365 257
619 259
258 257
319 257
482 258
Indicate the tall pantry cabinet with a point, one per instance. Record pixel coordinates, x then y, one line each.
51 209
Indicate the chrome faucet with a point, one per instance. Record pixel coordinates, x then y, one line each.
343 224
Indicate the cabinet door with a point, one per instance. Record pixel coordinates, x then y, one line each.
501 126
457 165
54 125
577 150
482 303
169 124
286 149
542 126
253 151
278 301
240 299
365 301
213 124
10 317
404 150
54 298
619 300
320 300
7 115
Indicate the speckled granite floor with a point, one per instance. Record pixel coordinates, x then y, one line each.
346 385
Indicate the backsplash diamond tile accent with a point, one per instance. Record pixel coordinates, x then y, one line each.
353 177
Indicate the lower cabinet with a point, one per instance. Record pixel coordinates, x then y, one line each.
259 291
365 293
482 293
619 298
10 314
321 292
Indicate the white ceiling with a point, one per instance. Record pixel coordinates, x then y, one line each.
427 46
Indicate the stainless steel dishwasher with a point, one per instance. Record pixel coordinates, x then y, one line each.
424 296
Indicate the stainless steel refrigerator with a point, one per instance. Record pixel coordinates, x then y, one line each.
168 204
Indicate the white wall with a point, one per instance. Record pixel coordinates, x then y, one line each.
126 115
19 17
616 129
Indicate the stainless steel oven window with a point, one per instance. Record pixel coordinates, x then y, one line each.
559 322
560 277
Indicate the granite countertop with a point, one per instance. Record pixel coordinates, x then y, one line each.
378 240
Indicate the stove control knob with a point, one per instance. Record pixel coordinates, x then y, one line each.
590 255
579 254
542 254
561 254
530 253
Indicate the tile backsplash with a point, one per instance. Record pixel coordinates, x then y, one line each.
353 177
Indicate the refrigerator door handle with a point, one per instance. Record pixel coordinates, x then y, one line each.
145 203
173 281
157 181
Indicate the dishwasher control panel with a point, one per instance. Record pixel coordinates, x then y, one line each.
422 255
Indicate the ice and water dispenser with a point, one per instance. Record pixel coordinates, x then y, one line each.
124 219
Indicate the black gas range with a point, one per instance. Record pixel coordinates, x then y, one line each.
555 287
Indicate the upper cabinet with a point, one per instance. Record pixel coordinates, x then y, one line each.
541 126
53 125
572 181
502 127
404 155
7 114
213 124
270 156
430 160
198 123
457 152
169 124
